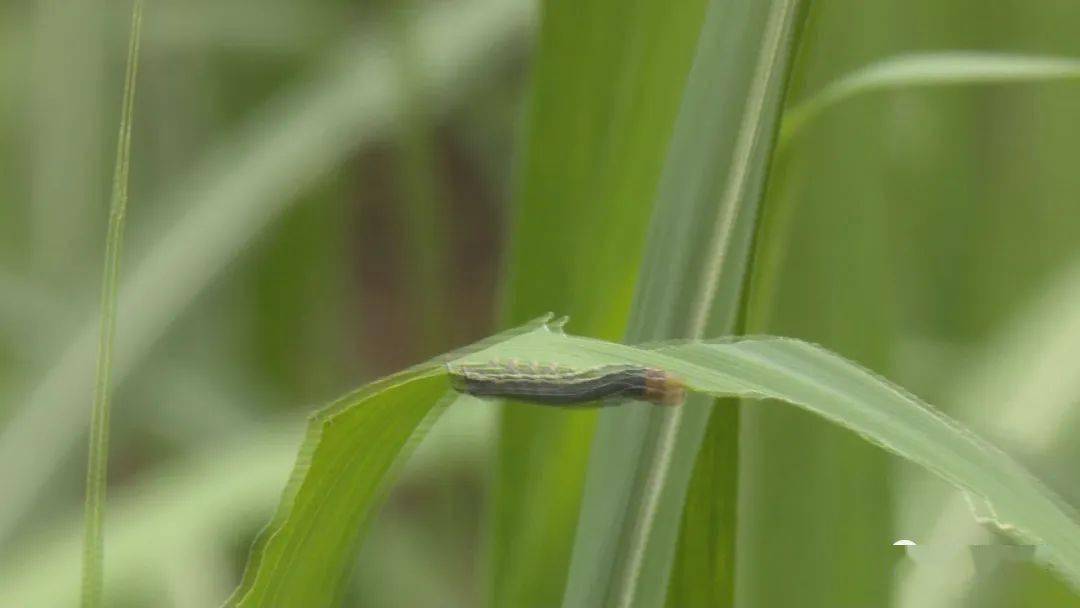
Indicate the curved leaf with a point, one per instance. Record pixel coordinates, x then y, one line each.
842 392
1023 388
343 469
338 478
929 69
352 446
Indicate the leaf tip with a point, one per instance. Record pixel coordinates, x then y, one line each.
557 325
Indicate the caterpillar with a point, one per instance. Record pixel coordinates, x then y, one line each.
559 385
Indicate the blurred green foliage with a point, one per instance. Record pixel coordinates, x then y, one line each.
280 159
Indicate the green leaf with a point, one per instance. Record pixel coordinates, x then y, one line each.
928 69
691 285
1021 387
98 461
835 172
339 477
903 72
607 81
352 446
348 458
845 394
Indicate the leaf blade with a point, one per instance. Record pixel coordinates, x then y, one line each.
307 549
928 69
606 88
98 459
692 281
349 456
851 396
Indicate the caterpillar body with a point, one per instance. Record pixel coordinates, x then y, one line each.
564 386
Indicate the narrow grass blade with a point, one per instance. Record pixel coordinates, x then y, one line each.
896 73
171 512
904 72
607 80
235 194
172 522
97 465
929 69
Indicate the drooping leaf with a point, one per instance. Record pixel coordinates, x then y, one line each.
348 456
847 395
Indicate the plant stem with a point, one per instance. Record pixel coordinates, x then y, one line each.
97 467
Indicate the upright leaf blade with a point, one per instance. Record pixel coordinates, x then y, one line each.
607 83
955 68
97 465
692 281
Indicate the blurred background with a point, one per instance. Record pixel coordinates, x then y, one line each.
322 194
